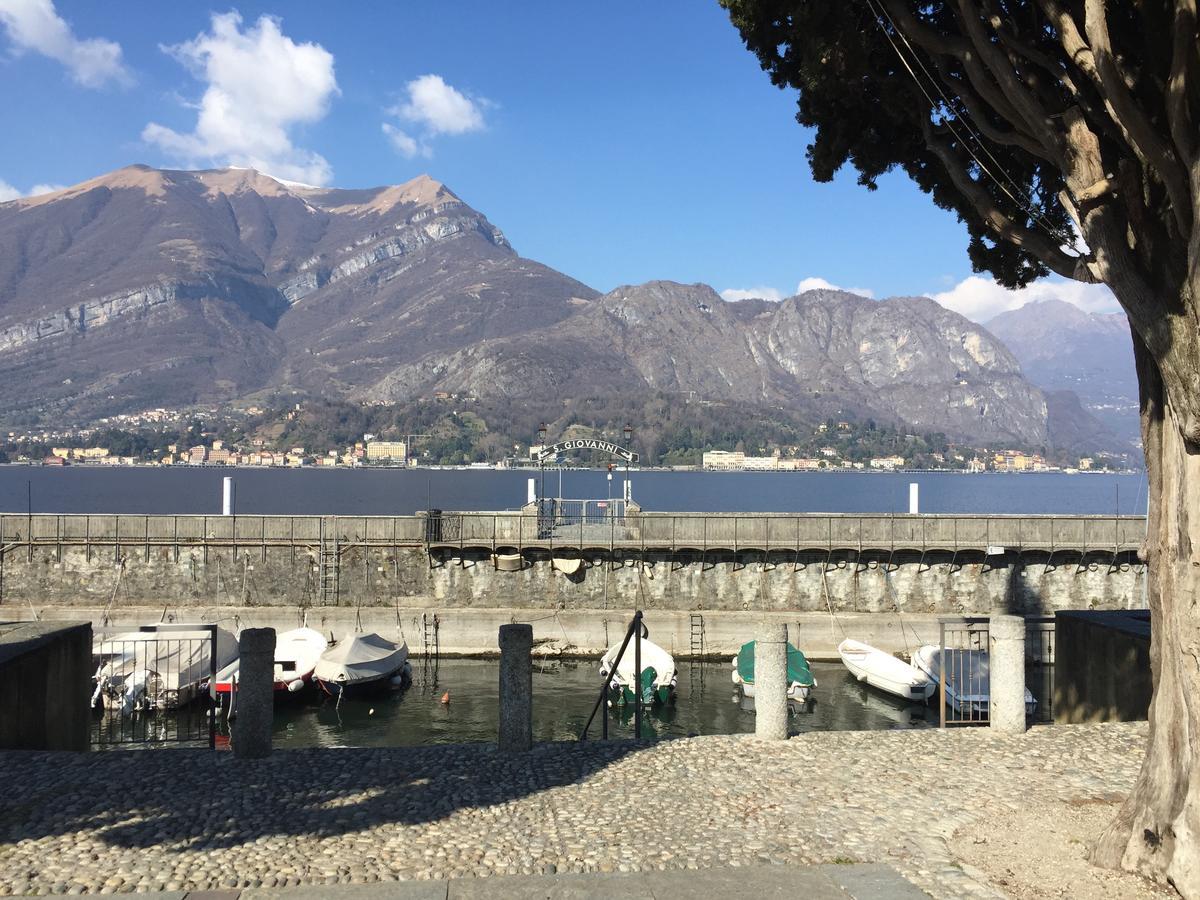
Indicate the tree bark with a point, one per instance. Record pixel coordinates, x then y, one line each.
1157 831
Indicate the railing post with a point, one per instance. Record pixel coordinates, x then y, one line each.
1007 674
944 672
637 681
516 688
770 682
255 694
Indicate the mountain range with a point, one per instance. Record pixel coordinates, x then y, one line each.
152 288
1061 348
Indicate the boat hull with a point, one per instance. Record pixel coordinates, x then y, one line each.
884 672
657 664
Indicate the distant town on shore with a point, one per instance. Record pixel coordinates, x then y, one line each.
169 438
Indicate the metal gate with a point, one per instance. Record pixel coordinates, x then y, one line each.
151 685
964 689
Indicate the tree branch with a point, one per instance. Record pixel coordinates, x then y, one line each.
1153 151
1073 267
1036 117
1096 61
1184 45
981 120
939 47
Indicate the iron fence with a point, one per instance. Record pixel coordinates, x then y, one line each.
607 522
152 684
962 666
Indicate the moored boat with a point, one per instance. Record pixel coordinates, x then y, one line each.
883 671
656 682
152 669
800 678
362 661
969 681
296 655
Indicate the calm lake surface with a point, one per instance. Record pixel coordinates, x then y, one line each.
80 489
564 692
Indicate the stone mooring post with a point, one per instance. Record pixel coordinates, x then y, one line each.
770 682
516 688
1007 674
255 694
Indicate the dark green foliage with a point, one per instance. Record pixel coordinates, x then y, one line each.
869 112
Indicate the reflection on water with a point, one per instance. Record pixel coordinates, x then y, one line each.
564 692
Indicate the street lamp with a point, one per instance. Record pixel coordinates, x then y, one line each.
627 431
541 433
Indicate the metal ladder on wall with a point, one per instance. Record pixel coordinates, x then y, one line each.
430 624
329 573
697 634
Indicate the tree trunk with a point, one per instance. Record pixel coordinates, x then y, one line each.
1157 832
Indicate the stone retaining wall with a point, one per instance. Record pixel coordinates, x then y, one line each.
1030 583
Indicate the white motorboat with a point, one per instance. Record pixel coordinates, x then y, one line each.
884 671
969 684
658 678
360 661
296 655
152 669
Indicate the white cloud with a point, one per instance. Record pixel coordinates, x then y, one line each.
35 25
764 293
813 283
261 84
806 284
433 108
8 192
981 299
404 142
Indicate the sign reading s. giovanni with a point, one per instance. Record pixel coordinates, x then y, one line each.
586 444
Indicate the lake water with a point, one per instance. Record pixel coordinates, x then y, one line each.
564 692
81 489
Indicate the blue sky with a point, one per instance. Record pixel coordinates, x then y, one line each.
617 143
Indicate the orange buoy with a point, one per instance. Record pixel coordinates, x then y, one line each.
446 698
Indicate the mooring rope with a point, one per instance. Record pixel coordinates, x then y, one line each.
829 601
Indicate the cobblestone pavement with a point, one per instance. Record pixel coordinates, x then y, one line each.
190 820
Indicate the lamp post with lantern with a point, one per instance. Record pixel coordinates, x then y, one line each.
541 434
627 431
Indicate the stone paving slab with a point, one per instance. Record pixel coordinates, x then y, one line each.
831 882
195 820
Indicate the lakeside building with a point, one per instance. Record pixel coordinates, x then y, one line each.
1016 461
737 461
386 451
887 462
723 460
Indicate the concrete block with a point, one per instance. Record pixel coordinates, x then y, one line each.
45 686
516 688
255 694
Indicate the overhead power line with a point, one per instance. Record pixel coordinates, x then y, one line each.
955 106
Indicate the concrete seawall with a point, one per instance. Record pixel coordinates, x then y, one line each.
189 563
557 633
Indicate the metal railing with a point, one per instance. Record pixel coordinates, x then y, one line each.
613 525
636 630
151 685
964 687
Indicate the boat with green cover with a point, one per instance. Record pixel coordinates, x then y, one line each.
656 681
799 677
